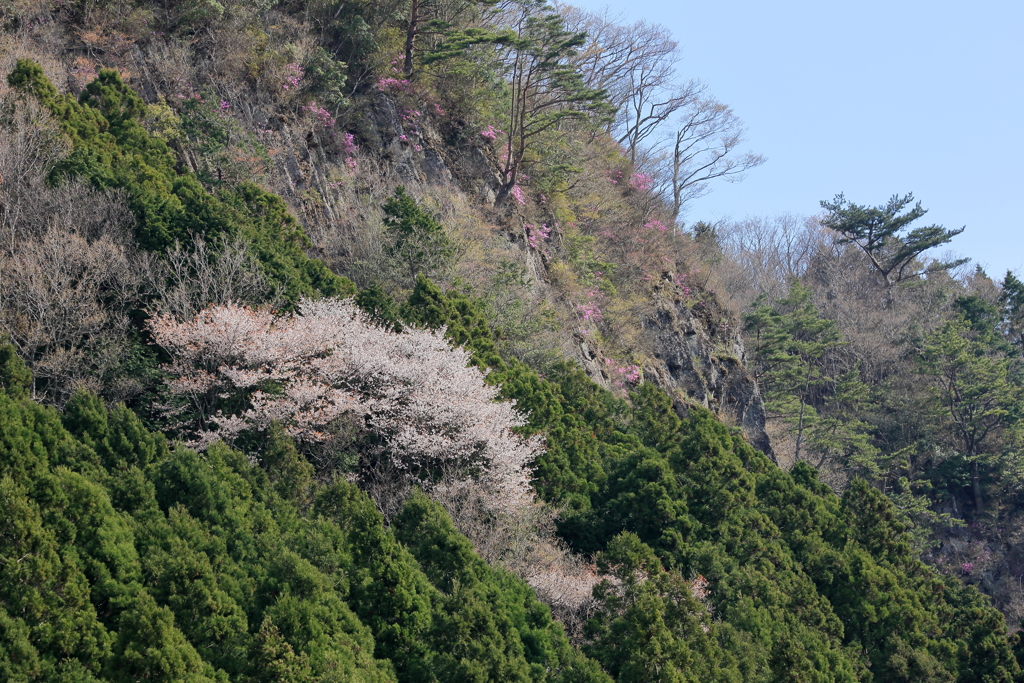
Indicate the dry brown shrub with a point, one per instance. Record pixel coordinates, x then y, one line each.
43 46
526 544
26 11
169 64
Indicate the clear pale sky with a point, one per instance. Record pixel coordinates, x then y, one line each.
870 99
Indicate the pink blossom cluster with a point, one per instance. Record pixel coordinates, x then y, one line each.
535 236
655 224
411 116
294 77
614 178
392 85
349 146
428 407
967 568
680 281
490 132
640 181
405 138
591 311
622 374
518 194
323 116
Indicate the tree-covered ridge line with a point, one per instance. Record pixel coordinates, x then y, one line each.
880 361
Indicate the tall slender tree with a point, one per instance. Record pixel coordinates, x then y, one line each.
977 395
807 386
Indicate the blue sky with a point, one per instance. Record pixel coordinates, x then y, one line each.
870 99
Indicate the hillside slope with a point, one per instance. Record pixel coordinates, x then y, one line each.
665 545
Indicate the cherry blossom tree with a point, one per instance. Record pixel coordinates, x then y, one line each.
432 418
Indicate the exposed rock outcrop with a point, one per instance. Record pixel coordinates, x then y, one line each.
699 357
694 352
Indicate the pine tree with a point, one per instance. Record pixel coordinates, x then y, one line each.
977 394
1012 302
797 356
883 234
417 240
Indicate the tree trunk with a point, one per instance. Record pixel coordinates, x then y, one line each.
976 487
800 424
410 36
677 191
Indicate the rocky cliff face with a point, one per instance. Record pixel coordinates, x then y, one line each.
699 357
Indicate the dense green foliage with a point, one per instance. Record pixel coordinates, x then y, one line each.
804 585
125 560
817 398
418 243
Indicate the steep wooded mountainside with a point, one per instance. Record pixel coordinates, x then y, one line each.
272 275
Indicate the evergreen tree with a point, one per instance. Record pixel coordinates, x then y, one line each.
977 394
1012 302
883 234
801 376
417 241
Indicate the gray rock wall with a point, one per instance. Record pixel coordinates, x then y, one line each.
699 357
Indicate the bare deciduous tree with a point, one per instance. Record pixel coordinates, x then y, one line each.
63 305
192 278
30 144
705 148
763 255
636 65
